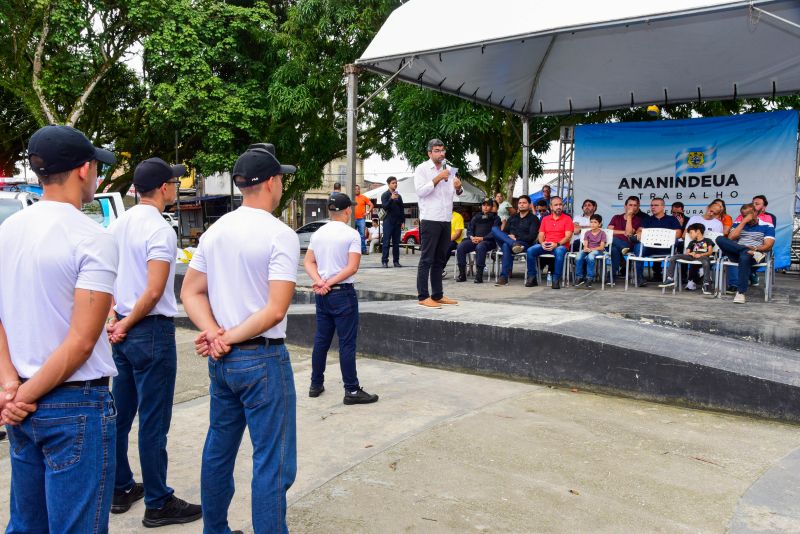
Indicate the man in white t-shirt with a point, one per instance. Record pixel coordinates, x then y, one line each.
237 291
582 222
435 183
332 261
142 330
55 366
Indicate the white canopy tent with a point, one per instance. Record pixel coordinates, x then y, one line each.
572 56
405 186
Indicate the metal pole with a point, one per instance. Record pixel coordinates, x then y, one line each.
351 71
178 198
526 154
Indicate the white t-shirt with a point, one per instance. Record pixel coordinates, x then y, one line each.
332 245
48 251
143 235
435 202
715 225
240 254
373 232
583 222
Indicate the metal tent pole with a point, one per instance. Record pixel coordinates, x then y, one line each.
526 154
351 72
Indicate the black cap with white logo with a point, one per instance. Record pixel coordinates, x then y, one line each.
339 202
63 148
258 164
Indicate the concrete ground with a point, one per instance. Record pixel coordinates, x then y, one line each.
451 452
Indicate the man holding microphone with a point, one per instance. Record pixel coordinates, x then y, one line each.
435 184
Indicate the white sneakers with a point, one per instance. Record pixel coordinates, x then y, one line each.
739 298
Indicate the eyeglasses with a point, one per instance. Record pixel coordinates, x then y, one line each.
439 150
173 182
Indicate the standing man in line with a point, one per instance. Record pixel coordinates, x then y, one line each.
142 330
55 361
435 184
392 204
332 261
240 307
363 210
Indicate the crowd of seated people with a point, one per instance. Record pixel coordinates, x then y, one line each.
546 235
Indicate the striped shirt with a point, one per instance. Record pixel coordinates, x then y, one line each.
755 235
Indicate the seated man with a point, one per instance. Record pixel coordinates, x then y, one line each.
373 236
657 219
746 244
760 204
520 233
479 240
624 226
456 235
555 236
582 222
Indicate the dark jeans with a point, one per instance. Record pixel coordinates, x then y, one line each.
451 248
252 388
535 251
506 243
647 252
693 269
616 253
391 231
147 363
336 312
435 239
480 250
62 463
737 253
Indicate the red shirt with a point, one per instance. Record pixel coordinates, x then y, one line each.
556 230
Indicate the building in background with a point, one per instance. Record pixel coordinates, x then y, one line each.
315 201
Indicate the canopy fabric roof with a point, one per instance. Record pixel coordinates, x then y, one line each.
405 185
549 58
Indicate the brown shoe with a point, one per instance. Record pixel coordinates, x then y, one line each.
445 300
429 303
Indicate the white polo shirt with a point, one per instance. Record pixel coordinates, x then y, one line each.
48 251
435 203
143 235
332 245
241 254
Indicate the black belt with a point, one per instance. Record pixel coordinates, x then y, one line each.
149 317
341 286
96 383
259 341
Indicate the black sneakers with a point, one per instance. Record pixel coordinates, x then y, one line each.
359 396
397 264
315 391
175 512
123 500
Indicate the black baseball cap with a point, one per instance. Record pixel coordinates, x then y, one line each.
488 201
258 164
154 172
63 148
339 202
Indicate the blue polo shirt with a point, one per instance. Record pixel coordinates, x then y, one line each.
667 221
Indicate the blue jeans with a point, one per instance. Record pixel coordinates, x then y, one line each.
480 250
559 252
391 232
62 463
616 253
735 252
253 388
506 243
361 226
336 312
586 262
147 363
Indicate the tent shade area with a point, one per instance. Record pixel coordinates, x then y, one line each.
573 56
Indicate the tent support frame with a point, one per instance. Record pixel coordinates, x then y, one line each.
351 72
566 152
526 153
776 17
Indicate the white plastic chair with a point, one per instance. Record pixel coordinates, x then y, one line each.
659 238
714 260
604 257
769 274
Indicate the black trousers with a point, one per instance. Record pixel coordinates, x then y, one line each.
435 241
391 231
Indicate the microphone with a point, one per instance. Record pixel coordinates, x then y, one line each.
444 168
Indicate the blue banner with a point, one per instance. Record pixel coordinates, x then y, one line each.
693 161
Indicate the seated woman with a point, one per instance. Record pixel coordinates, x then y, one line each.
726 219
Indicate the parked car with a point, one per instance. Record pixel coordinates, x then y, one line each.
171 219
305 232
410 236
14 201
105 208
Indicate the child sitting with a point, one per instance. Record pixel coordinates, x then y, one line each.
699 249
594 242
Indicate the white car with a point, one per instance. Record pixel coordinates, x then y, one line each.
14 201
171 219
305 232
105 208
